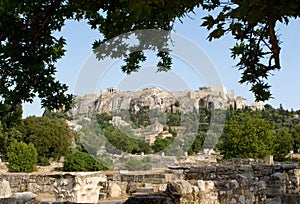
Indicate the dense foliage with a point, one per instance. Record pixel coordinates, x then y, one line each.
140 117
125 143
118 140
204 118
21 157
51 137
256 134
161 144
7 136
82 161
247 135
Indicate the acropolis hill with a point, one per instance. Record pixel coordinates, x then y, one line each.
113 99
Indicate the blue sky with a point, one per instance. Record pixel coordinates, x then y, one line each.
284 82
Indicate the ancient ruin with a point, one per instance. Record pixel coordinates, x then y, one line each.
234 181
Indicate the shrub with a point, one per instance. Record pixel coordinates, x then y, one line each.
81 161
21 157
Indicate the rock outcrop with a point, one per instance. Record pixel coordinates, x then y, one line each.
155 98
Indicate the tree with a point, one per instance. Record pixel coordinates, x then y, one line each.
253 23
247 135
21 157
140 117
10 115
49 136
198 142
7 136
296 137
29 50
283 143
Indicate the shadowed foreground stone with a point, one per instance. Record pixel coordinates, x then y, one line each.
150 199
20 198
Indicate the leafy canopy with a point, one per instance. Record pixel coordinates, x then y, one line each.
29 49
247 135
51 137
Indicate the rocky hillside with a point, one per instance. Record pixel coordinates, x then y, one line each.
112 100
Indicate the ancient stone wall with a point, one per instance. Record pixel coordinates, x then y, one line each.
36 183
80 187
234 182
249 182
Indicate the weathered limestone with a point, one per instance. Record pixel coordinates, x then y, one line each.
248 181
180 187
230 182
115 190
234 182
5 190
81 187
23 196
186 192
155 98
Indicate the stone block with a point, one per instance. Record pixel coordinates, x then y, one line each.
201 185
180 187
162 187
5 190
81 187
209 185
115 191
269 160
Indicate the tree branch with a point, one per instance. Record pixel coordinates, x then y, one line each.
274 42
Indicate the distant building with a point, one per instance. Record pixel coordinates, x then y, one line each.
240 103
165 134
112 90
257 106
